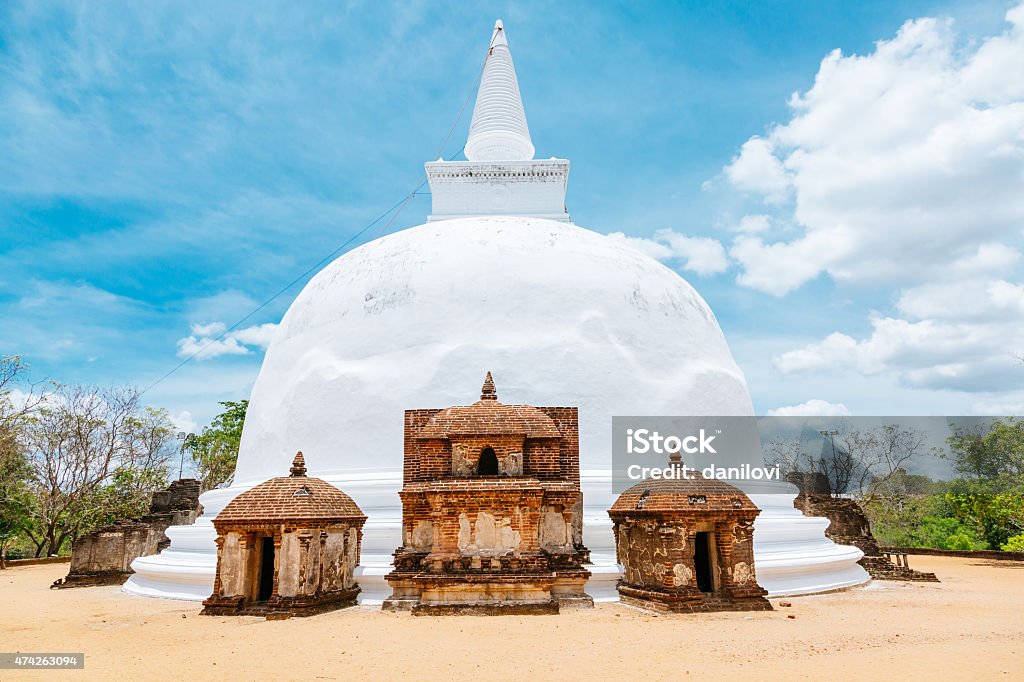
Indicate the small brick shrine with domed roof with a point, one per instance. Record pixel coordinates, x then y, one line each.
289 546
491 510
687 544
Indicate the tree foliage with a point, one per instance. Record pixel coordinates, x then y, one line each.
922 520
989 496
15 471
78 442
214 452
994 455
851 461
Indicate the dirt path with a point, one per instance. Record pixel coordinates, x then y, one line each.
971 626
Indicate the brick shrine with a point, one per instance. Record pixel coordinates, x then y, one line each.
491 511
687 545
289 546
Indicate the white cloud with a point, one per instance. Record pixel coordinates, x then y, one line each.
757 169
702 255
900 163
970 299
260 335
906 171
751 224
931 353
648 247
780 267
212 329
205 341
183 421
812 408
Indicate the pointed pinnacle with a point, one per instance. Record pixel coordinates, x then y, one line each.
298 465
488 392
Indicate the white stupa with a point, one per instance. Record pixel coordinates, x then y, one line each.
498 279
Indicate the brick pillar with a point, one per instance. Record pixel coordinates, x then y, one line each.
277 561
723 539
216 580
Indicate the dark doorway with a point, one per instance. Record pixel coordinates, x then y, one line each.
488 464
266 570
702 562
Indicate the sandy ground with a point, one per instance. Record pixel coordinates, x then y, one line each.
971 626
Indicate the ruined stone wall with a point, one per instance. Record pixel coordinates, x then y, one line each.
114 547
181 496
104 556
848 524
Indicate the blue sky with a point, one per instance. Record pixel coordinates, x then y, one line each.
166 165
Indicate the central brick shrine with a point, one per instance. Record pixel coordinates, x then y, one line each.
491 511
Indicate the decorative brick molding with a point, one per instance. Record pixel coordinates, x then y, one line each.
491 511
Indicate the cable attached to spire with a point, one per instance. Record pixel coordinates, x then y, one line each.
400 205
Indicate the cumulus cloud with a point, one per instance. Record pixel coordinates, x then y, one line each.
930 353
184 421
812 408
904 169
208 341
702 255
648 247
757 169
752 224
915 149
212 329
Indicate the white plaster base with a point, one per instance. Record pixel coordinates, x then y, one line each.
791 552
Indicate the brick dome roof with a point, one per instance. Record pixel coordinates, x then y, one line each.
682 495
291 498
488 417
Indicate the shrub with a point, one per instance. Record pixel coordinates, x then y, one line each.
1014 544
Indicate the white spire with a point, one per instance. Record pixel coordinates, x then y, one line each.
499 131
500 177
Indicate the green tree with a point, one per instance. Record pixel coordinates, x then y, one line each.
127 495
995 454
996 516
990 493
214 452
78 443
1014 544
18 401
14 498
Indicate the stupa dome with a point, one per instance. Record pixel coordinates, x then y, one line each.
561 314
497 279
